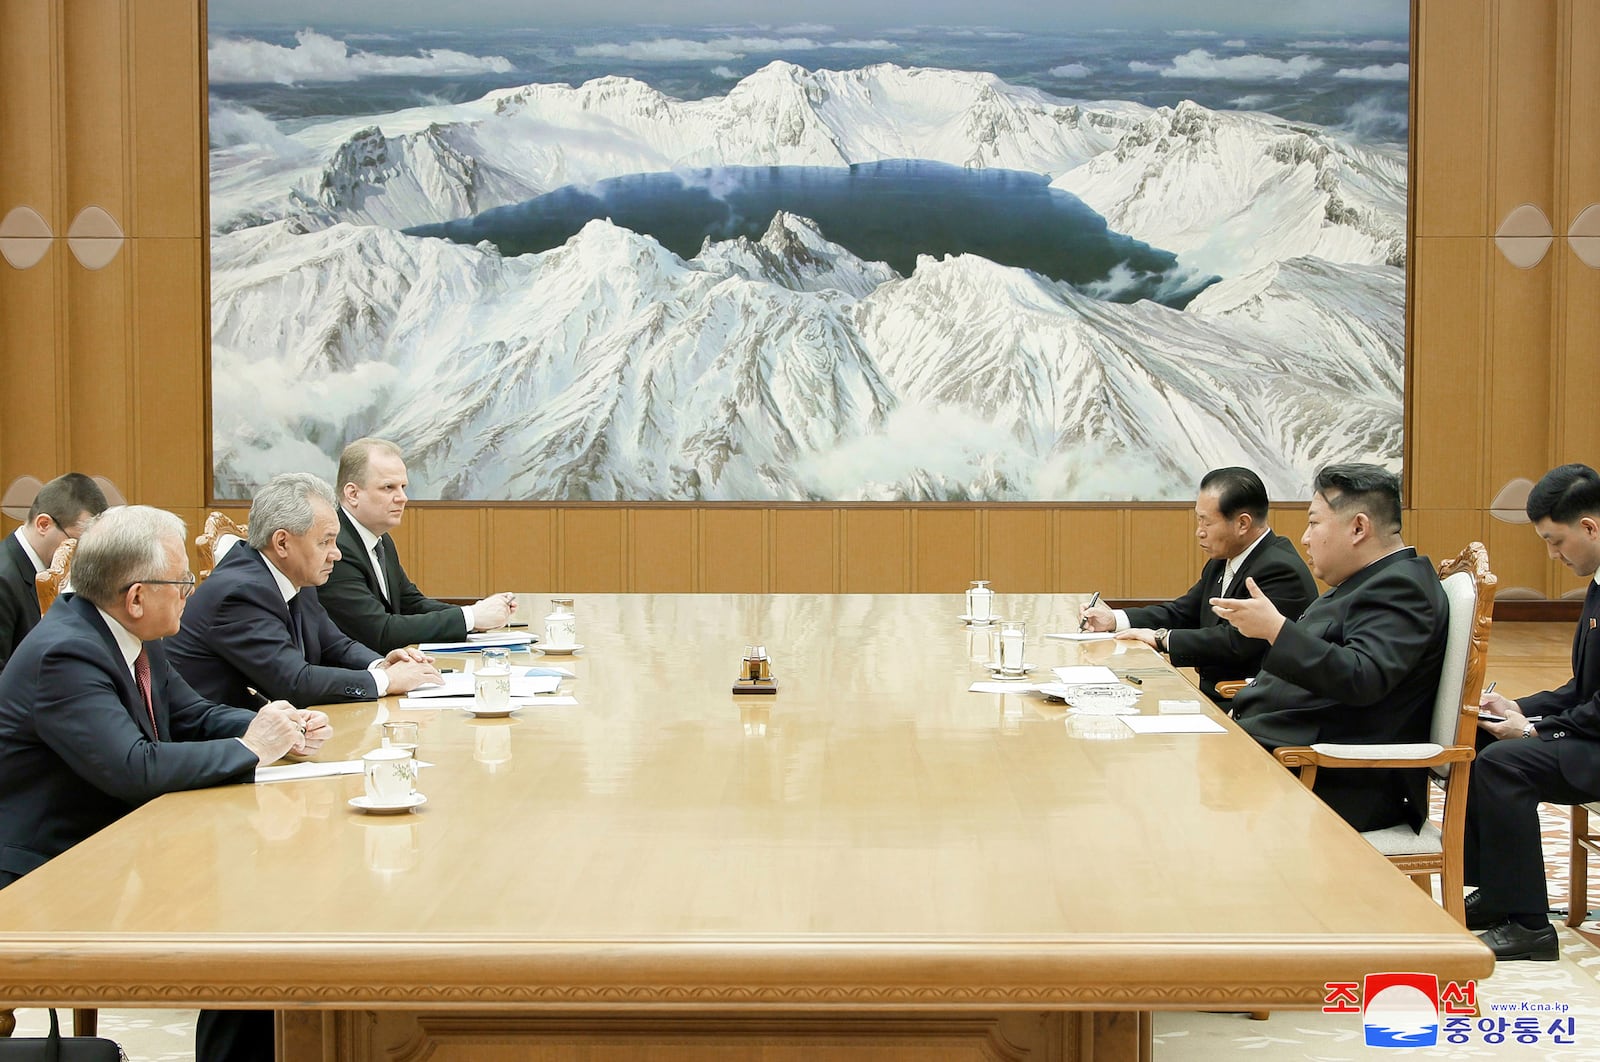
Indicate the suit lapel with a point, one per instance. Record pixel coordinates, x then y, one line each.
22 570
1588 637
127 689
353 546
391 574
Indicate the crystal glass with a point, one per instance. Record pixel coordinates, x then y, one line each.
1012 635
980 602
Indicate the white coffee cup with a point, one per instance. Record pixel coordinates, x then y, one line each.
391 775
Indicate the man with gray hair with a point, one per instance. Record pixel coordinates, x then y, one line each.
94 720
256 624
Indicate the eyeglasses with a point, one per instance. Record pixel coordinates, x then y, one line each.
185 586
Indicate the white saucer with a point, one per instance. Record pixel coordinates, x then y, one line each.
972 622
1009 676
550 650
371 807
494 713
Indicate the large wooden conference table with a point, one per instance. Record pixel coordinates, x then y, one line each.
874 863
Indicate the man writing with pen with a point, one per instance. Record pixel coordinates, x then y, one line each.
1231 528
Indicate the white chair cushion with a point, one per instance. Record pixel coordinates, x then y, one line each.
1419 750
1462 596
224 544
1399 840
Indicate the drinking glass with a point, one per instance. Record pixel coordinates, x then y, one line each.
1012 635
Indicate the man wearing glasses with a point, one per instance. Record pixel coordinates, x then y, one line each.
61 510
256 623
94 721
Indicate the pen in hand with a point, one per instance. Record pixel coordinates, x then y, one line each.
1083 621
1490 687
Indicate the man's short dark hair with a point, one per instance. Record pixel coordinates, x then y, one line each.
1238 490
1364 488
1566 495
65 497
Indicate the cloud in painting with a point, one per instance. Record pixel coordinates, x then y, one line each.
1392 72
1238 43
1070 70
235 125
1201 64
1194 33
677 49
317 57
1370 120
1251 102
725 71
1354 46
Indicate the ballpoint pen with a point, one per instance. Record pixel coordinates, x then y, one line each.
1083 621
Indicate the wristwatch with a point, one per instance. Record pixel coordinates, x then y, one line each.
1161 640
1530 731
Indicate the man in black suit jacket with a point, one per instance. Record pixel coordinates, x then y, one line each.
368 594
1546 748
61 510
1231 527
95 722
1361 665
255 623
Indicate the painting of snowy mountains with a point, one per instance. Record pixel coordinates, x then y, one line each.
703 262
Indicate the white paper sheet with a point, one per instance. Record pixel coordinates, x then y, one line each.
289 772
1002 687
1173 724
1085 636
459 684
1086 675
481 640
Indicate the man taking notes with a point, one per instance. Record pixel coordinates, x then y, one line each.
1231 527
61 510
368 595
94 721
256 622
1547 747
1361 664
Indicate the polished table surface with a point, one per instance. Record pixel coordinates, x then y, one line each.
872 836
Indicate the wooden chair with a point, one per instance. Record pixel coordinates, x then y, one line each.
1584 841
1469 585
49 582
219 536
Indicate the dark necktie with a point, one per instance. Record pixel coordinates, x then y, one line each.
297 624
141 678
379 555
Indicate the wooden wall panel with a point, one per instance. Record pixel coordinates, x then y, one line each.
29 109
1446 376
1088 549
1580 94
1018 550
1578 368
165 126
31 440
1521 309
733 551
1517 555
1452 149
1440 533
450 550
591 550
946 558
96 152
521 551
1525 97
661 559
1164 559
99 375
804 545
167 375
877 551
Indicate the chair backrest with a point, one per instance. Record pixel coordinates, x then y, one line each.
50 581
1469 587
220 535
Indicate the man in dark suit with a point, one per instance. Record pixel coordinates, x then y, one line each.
95 722
61 510
256 624
1545 747
1231 527
1361 664
368 595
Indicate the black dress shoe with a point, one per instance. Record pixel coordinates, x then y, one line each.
1480 917
1511 941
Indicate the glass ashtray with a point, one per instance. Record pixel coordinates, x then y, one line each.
1103 700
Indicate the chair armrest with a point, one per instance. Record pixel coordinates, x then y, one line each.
1230 689
1417 754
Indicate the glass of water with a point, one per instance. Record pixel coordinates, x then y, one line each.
1012 635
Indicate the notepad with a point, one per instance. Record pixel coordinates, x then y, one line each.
1172 724
1083 636
293 772
459 684
481 640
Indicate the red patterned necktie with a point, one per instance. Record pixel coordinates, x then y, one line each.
141 676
